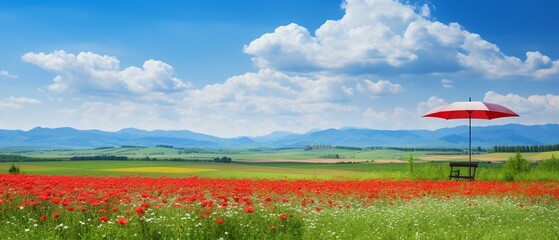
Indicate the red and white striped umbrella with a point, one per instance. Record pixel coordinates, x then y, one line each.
475 110
469 110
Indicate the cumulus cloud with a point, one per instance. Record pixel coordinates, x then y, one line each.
379 87
376 36
431 103
91 72
17 102
268 100
6 74
271 92
535 103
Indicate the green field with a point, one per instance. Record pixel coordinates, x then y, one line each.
244 154
275 164
186 169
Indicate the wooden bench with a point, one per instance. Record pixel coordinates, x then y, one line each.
455 171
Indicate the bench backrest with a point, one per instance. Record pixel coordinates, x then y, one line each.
463 164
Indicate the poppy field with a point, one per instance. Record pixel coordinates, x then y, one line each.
78 207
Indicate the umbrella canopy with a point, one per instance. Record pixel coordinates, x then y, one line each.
475 110
469 110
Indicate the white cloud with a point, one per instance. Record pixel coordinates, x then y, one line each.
91 72
397 119
387 36
534 103
378 88
533 109
249 104
431 103
446 83
268 100
6 74
425 11
269 91
124 114
17 102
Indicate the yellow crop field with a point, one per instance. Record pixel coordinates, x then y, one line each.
158 170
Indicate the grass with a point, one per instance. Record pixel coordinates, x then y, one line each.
396 171
425 218
240 154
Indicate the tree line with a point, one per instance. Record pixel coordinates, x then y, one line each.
331 156
100 157
422 149
527 148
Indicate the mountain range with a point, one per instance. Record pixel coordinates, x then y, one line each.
456 137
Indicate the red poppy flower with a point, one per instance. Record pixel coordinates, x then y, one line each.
249 210
43 218
104 219
56 215
219 221
139 211
122 221
282 217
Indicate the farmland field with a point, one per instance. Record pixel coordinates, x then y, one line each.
163 153
275 164
181 169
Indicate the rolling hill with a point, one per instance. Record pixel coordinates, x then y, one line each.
511 134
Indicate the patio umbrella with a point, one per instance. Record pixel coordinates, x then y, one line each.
469 110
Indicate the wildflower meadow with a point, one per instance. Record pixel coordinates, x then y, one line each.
78 207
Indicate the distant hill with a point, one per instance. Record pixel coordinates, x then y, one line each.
511 134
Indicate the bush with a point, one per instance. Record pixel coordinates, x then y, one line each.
551 164
14 169
514 166
410 164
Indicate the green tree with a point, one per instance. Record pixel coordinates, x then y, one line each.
515 165
14 169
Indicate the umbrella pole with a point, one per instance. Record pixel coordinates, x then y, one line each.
470 144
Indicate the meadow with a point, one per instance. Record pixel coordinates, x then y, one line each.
273 164
77 207
274 195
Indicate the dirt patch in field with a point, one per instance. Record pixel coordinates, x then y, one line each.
312 160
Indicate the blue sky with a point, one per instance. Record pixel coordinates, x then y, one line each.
232 68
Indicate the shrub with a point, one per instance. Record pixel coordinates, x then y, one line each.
514 166
14 169
551 164
410 164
